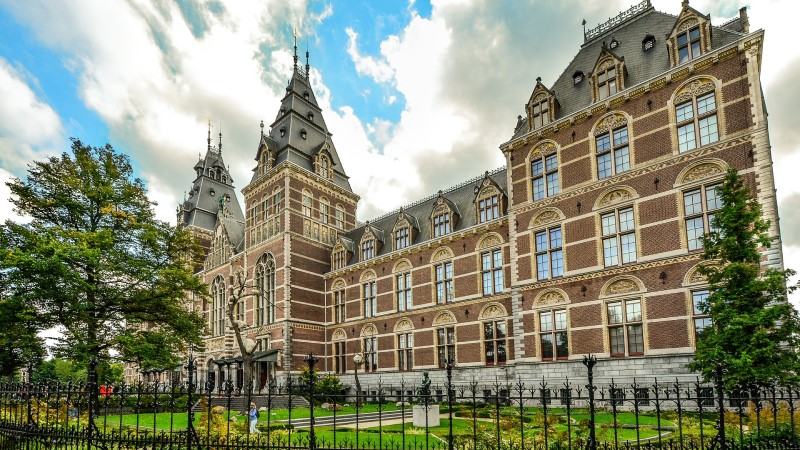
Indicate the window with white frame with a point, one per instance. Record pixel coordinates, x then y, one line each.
324 210
689 45
443 273
370 353
625 334
308 201
324 166
367 249
613 153
549 254
553 338
492 271
445 345
441 224
339 217
265 290
219 305
697 122
403 293
606 83
339 306
494 342
370 302
405 351
401 237
489 208
619 237
699 206
540 113
544 173
339 257
700 310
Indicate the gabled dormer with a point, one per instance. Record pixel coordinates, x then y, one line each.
323 161
489 200
541 106
690 37
371 242
608 74
405 230
341 253
444 216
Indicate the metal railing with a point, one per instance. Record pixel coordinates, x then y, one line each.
314 412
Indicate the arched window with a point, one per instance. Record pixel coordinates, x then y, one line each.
265 290
324 210
696 115
324 167
308 200
218 306
340 217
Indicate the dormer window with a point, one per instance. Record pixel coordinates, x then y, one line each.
689 45
402 237
324 167
310 116
306 95
282 131
607 83
338 257
541 113
367 249
441 224
648 42
489 203
303 133
577 77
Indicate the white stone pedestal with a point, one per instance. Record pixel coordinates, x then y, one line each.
432 413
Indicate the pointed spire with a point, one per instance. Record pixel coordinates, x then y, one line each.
209 134
295 49
308 66
262 127
220 139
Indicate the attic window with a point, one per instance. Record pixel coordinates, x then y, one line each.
648 42
283 110
306 95
303 133
212 192
577 77
311 116
283 132
614 44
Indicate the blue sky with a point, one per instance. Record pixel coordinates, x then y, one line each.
419 94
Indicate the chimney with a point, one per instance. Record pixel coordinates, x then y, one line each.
744 20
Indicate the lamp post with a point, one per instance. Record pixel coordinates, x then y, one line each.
358 359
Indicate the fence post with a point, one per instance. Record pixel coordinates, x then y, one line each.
449 368
190 432
721 406
311 360
590 361
92 378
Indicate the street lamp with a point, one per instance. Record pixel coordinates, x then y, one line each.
358 359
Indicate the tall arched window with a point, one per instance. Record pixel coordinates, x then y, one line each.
218 307
265 286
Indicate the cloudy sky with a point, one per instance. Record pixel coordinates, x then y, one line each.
418 94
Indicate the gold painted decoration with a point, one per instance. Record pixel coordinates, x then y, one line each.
702 171
543 148
688 23
404 325
622 286
614 197
339 335
545 217
550 298
693 89
611 122
492 311
442 254
490 240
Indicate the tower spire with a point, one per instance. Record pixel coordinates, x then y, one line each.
220 139
208 120
308 66
295 48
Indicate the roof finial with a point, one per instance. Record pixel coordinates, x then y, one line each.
220 138
584 29
685 4
308 66
295 48
208 120
262 127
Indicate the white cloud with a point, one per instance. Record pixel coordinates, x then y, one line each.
374 68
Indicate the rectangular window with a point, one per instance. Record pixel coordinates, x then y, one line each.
339 218
488 208
549 255
606 83
699 308
494 342
367 249
371 354
307 204
445 345
401 238
553 338
697 129
441 224
541 116
613 155
625 328
544 173
689 45
404 300
405 351
324 211
340 357
699 206
444 282
492 270
339 306
370 303
619 237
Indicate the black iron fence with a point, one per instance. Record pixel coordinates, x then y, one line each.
314 412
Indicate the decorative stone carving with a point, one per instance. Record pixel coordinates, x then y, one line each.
488 189
693 89
369 330
697 277
544 217
339 335
444 318
614 197
550 298
368 275
702 171
442 254
688 23
493 310
215 344
542 149
609 123
404 325
338 284
622 286
490 240
402 265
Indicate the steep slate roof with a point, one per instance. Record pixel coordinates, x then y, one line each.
461 199
200 207
640 65
292 118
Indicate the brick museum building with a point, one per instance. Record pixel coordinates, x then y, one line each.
587 241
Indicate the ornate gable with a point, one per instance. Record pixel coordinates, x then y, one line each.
690 37
541 107
608 75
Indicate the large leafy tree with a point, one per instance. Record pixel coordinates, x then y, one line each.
96 263
754 332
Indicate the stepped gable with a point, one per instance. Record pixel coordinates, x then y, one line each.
629 30
213 181
460 198
299 131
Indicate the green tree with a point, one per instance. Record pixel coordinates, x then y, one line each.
20 346
96 263
754 332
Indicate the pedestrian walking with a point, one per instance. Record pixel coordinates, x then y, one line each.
253 415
